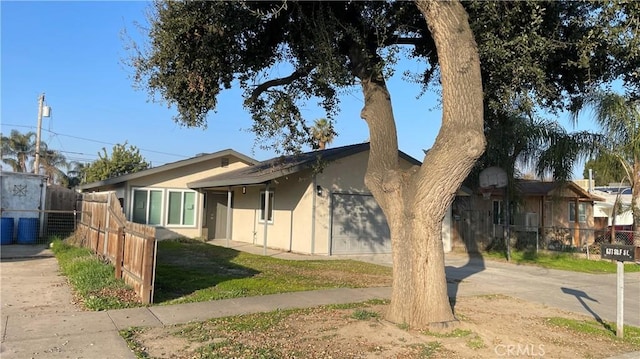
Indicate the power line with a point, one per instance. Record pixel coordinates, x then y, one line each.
97 141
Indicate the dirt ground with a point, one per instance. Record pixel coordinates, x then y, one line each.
489 327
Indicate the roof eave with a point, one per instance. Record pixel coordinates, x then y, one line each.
168 167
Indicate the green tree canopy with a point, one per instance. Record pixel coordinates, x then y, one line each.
123 160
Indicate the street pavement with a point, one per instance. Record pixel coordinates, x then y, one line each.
39 319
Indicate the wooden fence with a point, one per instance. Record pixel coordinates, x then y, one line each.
130 247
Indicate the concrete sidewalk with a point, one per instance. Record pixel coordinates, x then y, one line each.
39 319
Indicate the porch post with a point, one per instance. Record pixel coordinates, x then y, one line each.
313 214
266 218
576 224
228 234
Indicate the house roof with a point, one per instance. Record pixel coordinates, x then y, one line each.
284 165
168 167
541 188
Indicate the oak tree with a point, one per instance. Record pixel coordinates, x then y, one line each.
529 53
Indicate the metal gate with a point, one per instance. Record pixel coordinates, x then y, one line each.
358 225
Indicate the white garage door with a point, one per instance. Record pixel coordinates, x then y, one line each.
358 225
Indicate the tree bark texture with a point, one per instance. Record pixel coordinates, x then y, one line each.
635 202
415 201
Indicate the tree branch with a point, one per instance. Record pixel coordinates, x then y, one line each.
297 74
397 40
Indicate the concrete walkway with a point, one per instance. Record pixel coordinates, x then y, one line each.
39 319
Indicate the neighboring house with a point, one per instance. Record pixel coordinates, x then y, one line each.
314 203
159 196
551 210
624 218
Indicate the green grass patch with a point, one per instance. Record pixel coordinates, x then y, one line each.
475 342
129 335
364 314
456 333
92 278
562 261
366 303
192 271
591 327
429 349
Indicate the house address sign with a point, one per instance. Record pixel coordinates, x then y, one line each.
618 252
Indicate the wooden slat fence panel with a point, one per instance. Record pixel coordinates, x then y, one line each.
130 247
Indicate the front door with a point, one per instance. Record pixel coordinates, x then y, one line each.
216 215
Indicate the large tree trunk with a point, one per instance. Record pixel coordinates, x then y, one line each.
415 201
635 201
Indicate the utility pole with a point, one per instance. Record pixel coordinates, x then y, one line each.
36 164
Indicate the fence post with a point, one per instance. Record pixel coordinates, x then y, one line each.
105 245
119 252
97 238
147 271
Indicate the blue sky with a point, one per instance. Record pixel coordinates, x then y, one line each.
74 51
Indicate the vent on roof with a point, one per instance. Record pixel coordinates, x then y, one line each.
201 154
224 162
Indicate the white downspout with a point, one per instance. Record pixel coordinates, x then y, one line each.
313 214
266 219
228 234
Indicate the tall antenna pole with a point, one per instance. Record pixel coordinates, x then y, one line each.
36 164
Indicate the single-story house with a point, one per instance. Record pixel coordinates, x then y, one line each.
160 197
313 202
554 210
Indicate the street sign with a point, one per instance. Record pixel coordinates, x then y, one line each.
618 252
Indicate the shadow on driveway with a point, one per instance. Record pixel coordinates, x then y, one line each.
455 275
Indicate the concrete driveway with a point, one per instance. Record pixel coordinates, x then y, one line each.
39 319
593 295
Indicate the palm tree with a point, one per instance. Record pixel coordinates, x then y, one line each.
619 120
17 149
518 141
322 133
51 163
76 173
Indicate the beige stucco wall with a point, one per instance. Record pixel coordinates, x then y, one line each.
179 177
292 212
296 204
176 179
295 197
294 200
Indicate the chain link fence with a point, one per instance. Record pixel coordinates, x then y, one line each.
37 227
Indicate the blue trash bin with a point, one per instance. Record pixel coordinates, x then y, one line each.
28 230
6 235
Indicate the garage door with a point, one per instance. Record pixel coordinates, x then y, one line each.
358 225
